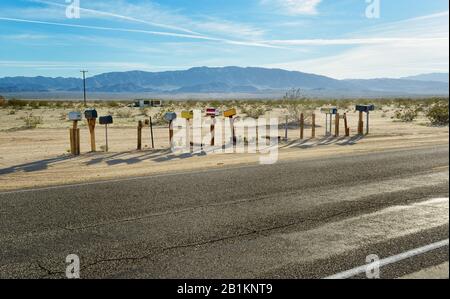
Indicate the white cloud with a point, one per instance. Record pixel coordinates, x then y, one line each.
295 7
410 47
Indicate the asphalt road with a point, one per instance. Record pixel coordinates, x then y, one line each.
296 219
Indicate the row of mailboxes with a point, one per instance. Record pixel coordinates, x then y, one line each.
90 114
171 116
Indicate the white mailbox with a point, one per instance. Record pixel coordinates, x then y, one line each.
75 116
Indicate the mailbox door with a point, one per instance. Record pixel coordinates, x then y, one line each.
170 116
229 113
75 116
187 114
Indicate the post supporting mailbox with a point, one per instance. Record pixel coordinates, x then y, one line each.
302 126
230 113
329 111
364 109
347 129
74 135
336 125
139 135
313 124
151 132
106 120
91 117
212 112
170 117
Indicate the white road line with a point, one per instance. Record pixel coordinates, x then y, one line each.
390 260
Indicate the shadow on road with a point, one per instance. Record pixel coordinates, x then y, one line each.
130 158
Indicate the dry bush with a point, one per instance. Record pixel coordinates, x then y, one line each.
31 122
124 113
438 114
406 115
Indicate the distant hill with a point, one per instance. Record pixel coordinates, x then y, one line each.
229 80
436 77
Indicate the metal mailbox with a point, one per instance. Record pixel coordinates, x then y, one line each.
230 113
106 120
170 116
212 112
365 108
332 111
91 114
187 114
75 116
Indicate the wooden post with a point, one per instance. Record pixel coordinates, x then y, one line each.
326 124
360 124
170 132
336 126
139 135
74 134
331 124
313 129
91 124
77 137
286 129
367 123
347 129
151 132
213 127
302 126
233 137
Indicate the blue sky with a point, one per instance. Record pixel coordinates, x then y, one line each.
329 37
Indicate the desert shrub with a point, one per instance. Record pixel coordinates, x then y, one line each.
3 102
406 115
294 110
124 113
158 118
254 111
12 112
17 103
438 114
112 104
31 121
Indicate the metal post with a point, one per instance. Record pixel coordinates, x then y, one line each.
151 132
286 129
367 123
106 137
313 129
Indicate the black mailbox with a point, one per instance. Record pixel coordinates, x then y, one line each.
365 108
106 120
91 114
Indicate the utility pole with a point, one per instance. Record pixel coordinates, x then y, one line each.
84 86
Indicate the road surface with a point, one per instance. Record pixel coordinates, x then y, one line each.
296 219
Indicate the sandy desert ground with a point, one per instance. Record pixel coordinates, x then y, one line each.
39 157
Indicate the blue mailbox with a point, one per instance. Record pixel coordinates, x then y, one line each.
91 114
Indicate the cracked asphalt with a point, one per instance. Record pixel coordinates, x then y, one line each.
298 219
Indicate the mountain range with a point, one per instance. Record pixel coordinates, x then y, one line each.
229 80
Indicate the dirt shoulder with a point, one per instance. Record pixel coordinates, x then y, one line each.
38 158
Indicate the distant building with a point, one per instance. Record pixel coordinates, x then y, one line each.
147 103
